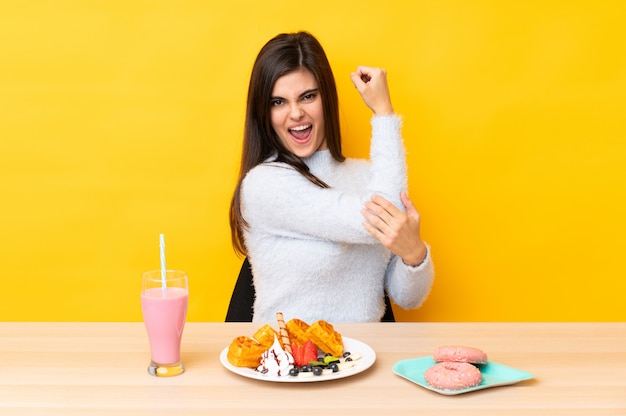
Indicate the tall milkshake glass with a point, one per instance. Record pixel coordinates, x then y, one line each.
164 309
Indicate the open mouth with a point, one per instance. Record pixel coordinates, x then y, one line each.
301 133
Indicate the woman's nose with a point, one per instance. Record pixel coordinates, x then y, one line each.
296 112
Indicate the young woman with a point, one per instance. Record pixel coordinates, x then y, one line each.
326 236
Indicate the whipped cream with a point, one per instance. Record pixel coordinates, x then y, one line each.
276 361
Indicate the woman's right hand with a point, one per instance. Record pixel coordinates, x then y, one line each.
397 230
372 85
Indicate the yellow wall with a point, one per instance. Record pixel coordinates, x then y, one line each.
120 120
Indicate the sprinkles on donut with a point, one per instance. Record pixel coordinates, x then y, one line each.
453 376
459 354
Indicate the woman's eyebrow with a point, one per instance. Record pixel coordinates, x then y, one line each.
304 93
307 92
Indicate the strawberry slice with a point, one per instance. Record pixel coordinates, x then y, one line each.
309 352
297 351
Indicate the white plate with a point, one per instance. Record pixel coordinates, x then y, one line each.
368 357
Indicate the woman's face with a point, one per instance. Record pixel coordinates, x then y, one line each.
297 113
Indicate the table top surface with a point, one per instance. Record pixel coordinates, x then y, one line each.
101 368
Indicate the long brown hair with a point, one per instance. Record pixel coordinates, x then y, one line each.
285 53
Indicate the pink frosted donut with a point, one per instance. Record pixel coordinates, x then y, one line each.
453 376
459 354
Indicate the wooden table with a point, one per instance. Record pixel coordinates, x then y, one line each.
100 369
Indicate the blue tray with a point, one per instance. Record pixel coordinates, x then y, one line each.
494 374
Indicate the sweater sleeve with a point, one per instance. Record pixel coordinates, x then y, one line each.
409 286
280 201
388 159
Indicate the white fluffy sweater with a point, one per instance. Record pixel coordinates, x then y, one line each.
311 256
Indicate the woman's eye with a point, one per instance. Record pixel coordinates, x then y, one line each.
275 103
308 97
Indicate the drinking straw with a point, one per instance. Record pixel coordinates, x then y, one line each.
162 245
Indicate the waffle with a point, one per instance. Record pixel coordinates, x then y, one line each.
325 338
265 336
245 352
297 331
